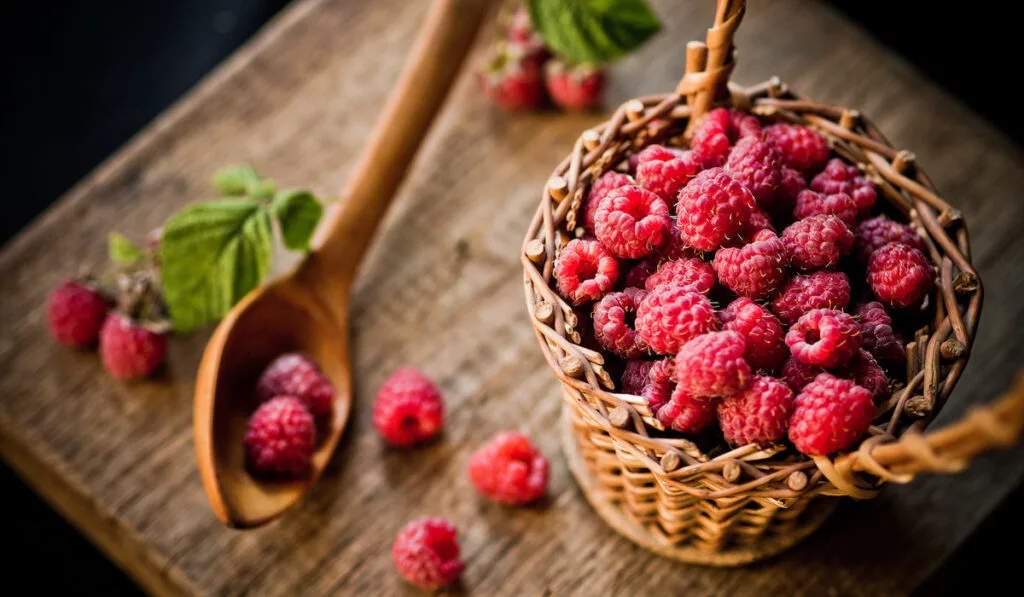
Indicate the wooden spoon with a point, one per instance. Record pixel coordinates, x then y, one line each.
307 310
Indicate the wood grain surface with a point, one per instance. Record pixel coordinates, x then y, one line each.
442 290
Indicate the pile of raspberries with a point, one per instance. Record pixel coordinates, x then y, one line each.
747 281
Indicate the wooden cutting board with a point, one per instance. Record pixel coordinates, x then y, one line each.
442 291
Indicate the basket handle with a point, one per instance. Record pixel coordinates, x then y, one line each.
709 64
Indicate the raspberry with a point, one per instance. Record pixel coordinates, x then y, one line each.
660 383
756 270
426 553
766 344
820 290
718 131
585 271
797 374
691 273
614 321
686 413
713 208
800 147
791 183
840 177
712 365
817 242
521 29
512 79
824 337
638 274
879 338
812 203
408 409
868 374
665 170
674 249
831 414
632 221
670 315
759 414
129 350
76 313
900 275
608 182
755 165
576 88
280 438
759 220
877 232
635 376
295 374
509 469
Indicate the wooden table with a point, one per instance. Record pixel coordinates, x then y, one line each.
442 291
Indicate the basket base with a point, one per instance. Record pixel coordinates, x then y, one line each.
637 533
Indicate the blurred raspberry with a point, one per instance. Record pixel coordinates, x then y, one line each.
820 290
512 79
426 553
75 313
408 409
635 376
129 349
280 438
574 87
585 271
509 469
295 374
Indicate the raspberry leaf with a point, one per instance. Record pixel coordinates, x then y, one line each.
211 255
236 180
123 252
593 31
298 213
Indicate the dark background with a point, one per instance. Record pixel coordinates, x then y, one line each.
80 78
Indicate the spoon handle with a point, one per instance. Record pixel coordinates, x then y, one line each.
446 38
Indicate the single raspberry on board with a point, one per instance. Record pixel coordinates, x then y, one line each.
712 365
608 182
831 414
755 270
75 313
670 315
820 290
840 177
755 165
426 553
665 170
409 409
865 371
712 209
585 270
660 384
879 338
877 232
812 203
825 338
634 376
900 275
817 242
295 374
128 349
718 131
686 413
759 414
800 147
280 438
574 87
692 273
614 323
797 374
512 78
765 340
632 222
509 469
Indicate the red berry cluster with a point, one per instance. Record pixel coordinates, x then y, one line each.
720 276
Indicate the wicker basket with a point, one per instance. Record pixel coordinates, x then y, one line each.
749 503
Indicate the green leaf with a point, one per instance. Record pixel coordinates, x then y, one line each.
593 31
235 180
298 213
123 252
263 190
211 255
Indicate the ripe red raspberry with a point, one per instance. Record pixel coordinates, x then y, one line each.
900 275
129 350
509 469
879 338
512 79
686 413
712 209
817 242
632 222
865 371
280 438
759 220
766 342
675 249
812 203
660 384
409 409
797 374
755 165
76 313
634 376
877 232
759 414
756 270
585 271
670 315
712 365
824 337
576 88
831 414
614 321
820 290
426 553
840 177
665 170
608 182
800 147
791 183
718 131
295 374
692 273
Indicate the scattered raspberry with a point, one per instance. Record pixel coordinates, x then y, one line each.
76 313
820 290
574 87
879 338
585 271
512 79
665 170
712 365
817 242
840 177
755 165
791 183
868 374
426 553
522 33
759 414
797 374
718 131
800 147
632 222
756 270
614 321
129 350
812 203
409 409
693 273
670 315
608 182
900 275
765 340
638 274
660 384
686 413
824 337
877 232
280 438
713 208
509 469
295 374
634 376
831 414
